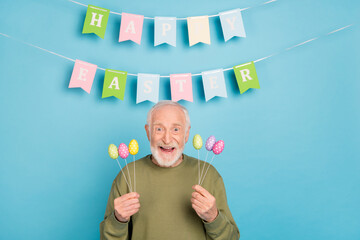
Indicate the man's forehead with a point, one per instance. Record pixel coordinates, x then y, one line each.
168 114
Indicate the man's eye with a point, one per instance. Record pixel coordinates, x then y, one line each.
158 129
176 129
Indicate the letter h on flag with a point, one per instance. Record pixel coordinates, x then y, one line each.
96 20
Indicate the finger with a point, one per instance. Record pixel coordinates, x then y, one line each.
199 197
197 210
202 191
132 212
130 207
199 204
130 195
130 202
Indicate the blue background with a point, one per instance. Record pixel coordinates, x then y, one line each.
291 160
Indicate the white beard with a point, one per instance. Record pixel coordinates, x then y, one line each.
165 162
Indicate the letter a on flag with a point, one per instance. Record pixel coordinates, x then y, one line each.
83 75
114 84
131 27
96 20
181 87
246 76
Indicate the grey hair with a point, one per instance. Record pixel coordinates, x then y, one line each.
168 103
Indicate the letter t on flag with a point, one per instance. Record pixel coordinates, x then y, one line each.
246 76
96 20
181 87
83 75
114 84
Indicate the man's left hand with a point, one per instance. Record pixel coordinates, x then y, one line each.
204 204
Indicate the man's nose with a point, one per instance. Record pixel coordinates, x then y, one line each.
167 137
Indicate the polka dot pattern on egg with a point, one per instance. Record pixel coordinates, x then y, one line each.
197 142
123 151
218 147
209 144
133 147
113 151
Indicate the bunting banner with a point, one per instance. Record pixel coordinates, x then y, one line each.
232 24
114 84
214 84
246 76
147 87
181 87
83 75
131 27
165 31
181 84
96 20
199 30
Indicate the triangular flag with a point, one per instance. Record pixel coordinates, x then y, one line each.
83 75
199 30
114 84
96 20
246 76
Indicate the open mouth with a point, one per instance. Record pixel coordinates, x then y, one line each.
167 149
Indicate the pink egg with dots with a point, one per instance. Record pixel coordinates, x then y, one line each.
123 151
218 147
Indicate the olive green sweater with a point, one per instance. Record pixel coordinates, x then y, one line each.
165 212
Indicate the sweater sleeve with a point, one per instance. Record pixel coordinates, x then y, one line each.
224 226
110 227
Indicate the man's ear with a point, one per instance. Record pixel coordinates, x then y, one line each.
187 135
147 131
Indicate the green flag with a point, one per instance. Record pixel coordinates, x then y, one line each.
114 84
246 76
96 20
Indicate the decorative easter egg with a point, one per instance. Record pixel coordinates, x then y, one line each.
133 147
123 151
209 144
113 151
218 147
197 142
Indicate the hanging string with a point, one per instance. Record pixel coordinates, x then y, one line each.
216 15
193 74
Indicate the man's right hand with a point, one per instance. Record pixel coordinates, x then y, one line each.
126 206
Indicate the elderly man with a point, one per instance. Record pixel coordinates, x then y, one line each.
167 205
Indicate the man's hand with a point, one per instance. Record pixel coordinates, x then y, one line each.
126 206
204 204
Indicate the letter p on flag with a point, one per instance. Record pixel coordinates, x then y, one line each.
246 76
96 20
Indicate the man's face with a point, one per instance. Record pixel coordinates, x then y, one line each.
167 134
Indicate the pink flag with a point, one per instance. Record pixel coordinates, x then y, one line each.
131 27
181 87
83 75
